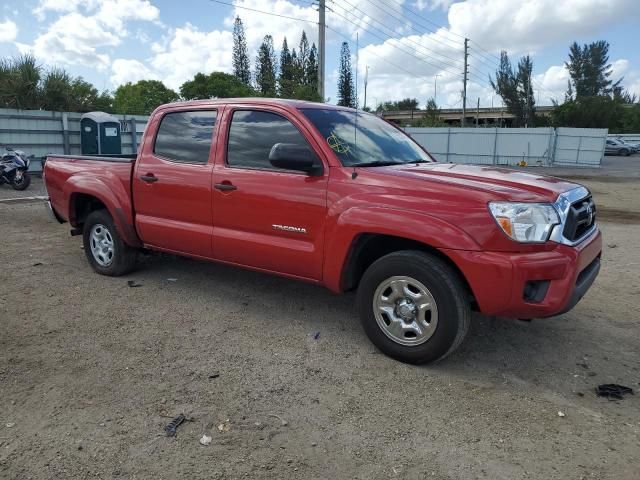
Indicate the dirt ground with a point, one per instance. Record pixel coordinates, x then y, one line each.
91 370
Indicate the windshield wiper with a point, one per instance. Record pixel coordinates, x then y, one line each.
377 163
387 163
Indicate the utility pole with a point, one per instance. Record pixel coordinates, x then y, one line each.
528 114
366 78
464 88
435 88
321 48
478 114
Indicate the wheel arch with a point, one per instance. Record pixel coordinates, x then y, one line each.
368 247
83 203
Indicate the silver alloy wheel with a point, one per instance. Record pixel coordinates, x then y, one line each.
102 247
405 310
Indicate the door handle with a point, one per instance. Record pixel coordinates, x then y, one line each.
149 178
225 186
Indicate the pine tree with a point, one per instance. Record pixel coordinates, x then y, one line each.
525 91
346 94
515 89
297 74
285 80
241 67
266 68
590 70
311 74
303 58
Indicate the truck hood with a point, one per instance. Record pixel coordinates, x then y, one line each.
505 183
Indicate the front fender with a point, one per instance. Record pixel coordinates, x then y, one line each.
420 227
110 190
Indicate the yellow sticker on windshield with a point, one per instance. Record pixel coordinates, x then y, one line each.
336 144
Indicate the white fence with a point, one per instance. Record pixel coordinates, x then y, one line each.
579 146
510 146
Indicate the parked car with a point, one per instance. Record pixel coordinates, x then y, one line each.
342 199
635 146
617 147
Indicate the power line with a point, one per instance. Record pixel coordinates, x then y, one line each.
392 14
394 46
386 61
408 39
493 55
407 52
431 38
390 37
416 14
266 13
483 55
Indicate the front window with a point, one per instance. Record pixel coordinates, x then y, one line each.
362 139
252 135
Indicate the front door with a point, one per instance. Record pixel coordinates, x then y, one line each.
265 217
172 183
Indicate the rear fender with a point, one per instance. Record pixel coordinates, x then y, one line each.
411 225
110 190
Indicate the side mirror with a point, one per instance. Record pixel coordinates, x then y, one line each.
291 156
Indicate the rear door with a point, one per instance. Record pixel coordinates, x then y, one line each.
265 217
172 182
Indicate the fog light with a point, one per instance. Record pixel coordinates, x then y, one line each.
535 290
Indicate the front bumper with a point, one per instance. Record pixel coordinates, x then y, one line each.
498 279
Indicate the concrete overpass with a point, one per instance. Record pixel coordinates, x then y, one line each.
496 116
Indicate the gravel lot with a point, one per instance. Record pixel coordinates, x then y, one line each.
91 370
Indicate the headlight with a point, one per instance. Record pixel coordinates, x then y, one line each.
525 222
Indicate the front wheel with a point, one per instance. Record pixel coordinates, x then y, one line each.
413 306
21 183
106 251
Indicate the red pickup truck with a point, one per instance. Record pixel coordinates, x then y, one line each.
340 198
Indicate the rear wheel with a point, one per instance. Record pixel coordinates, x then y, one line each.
21 183
106 251
413 306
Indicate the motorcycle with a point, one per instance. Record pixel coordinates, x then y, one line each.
14 167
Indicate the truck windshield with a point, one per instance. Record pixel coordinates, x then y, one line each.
362 139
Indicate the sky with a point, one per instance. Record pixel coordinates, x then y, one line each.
410 48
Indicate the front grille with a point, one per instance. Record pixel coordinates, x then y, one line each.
580 218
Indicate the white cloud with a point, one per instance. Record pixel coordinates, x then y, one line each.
190 51
8 31
619 69
432 4
60 6
531 24
130 70
113 13
185 52
86 30
73 39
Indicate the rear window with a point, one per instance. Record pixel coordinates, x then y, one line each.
186 136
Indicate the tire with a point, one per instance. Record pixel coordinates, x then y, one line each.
423 279
106 251
625 152
24 184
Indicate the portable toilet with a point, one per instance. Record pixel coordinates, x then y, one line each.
100 134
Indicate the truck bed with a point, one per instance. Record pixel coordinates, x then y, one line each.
105 178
